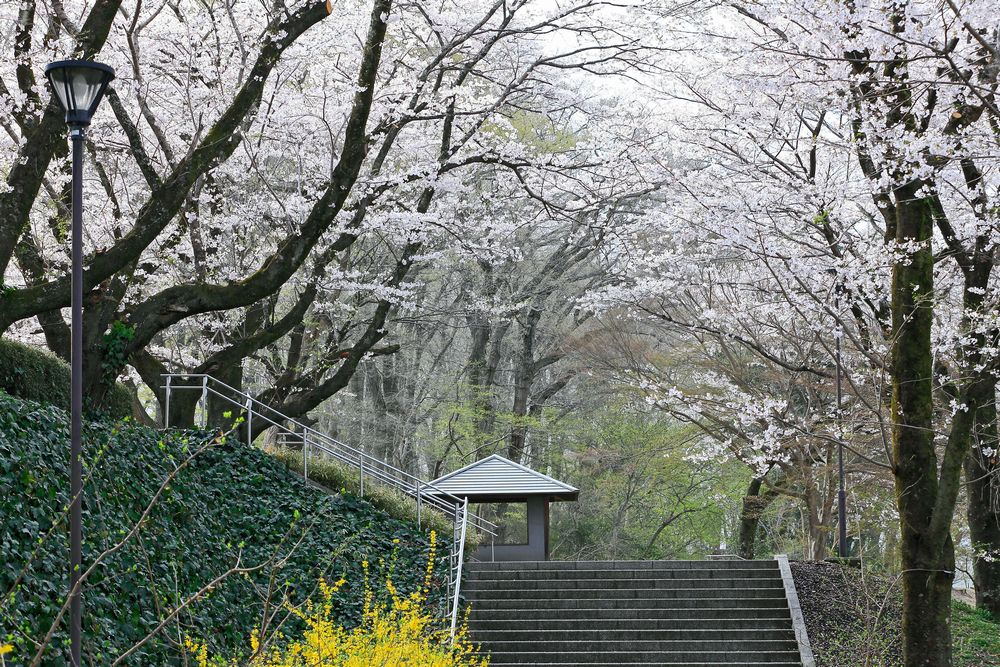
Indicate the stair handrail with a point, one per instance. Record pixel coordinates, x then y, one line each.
377 469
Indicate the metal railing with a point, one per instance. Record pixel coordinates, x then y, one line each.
724 557
289 431
455 567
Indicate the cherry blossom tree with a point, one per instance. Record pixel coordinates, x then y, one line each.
839 164
262 172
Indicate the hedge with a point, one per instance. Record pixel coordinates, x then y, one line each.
35 375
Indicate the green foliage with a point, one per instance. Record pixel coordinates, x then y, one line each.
116 343
874 638
639 480
976 636
873 641
537 131
231 504
822 219
465 418
35 375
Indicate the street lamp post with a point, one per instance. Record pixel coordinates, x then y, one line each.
842 491
79 86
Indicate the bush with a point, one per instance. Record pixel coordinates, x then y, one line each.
399 631
35 375
228 504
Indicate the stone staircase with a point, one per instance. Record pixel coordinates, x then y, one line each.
621 613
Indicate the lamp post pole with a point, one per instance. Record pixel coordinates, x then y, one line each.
79 86
76 405
842 492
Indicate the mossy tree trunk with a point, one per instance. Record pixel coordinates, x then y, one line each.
982 474
927 486
754 505
927 550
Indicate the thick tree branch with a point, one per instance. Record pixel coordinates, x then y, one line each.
181 301
42 140
217 145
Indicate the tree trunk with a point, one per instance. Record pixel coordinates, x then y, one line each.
927 581
183 402
484 359
217 407
818 530
754 504
927 558
982 476
524 377
481 390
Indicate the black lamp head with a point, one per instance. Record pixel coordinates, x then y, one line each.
79 85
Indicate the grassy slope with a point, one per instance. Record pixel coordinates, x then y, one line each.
976 635
230 503
854 618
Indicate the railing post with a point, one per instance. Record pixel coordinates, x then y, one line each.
204 401
418 504
458 570
305 455
453 552
249 421
361 487
166 404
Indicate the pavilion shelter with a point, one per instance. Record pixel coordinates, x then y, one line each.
499 480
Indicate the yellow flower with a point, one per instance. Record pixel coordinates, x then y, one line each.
401 632
6 648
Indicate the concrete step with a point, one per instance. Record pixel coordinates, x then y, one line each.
614 621
565 584
630 603
530 633
629 614
621 613
659 664
532 656
677 573
562 646
619 593
622 565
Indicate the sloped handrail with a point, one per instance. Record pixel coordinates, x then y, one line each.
423 492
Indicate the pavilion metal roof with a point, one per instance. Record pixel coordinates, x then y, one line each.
496 479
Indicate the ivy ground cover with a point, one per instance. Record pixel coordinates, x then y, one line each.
231 538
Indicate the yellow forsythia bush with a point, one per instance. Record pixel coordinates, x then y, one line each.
397 633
